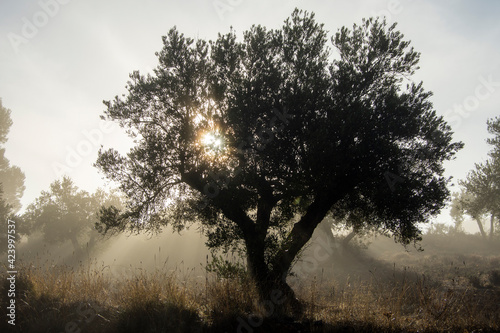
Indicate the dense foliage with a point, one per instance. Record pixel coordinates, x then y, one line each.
67 213
11 184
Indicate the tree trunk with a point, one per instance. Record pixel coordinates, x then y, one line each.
492 225
91 242
348 238
270 277
480 225
297 238
274 292
76 246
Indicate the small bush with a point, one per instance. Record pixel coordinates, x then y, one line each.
494 278
475 281
158 317
226 269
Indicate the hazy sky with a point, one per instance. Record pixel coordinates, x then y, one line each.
59 59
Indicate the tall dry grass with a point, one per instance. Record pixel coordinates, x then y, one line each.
58 299
439 294
409 302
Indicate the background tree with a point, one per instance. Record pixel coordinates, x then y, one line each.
5 209
259 140
11 177
465 203
66 213
11 184
5 215
457 211
481 189
344 229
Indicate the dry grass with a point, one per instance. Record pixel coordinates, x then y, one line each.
437 294
411 303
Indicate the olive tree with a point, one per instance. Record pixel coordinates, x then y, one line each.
259 139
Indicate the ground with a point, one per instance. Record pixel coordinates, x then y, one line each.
453 285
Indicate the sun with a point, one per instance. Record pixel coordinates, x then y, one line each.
212 141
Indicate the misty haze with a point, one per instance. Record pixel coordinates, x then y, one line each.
237 166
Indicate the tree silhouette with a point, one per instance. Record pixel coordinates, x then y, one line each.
11 185
464 202
11 177
5 216
259 140
66 213
480 196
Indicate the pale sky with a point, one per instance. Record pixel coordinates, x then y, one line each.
59 59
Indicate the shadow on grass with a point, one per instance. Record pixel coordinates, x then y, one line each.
158 317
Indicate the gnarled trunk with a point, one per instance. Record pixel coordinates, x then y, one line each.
271 277
276 296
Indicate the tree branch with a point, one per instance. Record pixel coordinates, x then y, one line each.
303 230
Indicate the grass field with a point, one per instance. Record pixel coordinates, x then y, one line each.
452 286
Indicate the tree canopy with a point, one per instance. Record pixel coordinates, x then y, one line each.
11 184
259 139
480 195
67 213
11 177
